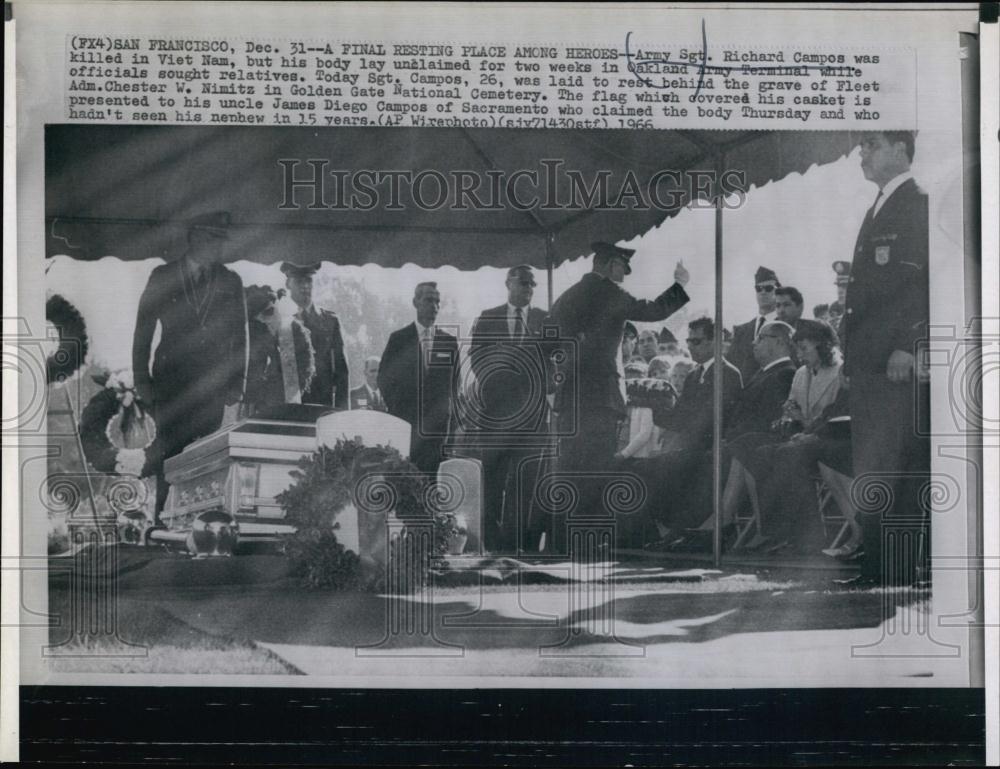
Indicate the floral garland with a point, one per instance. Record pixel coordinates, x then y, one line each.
332 479
116 432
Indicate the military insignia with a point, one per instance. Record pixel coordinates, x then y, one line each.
882 255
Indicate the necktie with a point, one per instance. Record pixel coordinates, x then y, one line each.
427 339
701 373
518 323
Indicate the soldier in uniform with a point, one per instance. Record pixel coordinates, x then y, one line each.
886 315
593 313
199 365
330 385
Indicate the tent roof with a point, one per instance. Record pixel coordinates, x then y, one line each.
127 191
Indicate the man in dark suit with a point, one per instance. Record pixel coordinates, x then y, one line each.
417 378
679 473
741 349
329 386
511 418
199 366
886 316
759 405
368 396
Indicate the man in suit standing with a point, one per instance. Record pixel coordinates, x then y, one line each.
513 381
886 315
417 378
199 366
741 350
368 396
330 384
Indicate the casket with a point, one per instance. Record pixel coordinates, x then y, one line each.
223 486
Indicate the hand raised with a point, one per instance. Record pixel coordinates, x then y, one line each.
681 275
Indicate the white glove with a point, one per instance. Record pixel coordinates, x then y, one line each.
681 275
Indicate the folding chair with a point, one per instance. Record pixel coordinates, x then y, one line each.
830 514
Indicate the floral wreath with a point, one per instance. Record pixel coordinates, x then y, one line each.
374 478
116 431
67 358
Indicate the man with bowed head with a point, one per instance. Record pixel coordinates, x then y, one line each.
199 365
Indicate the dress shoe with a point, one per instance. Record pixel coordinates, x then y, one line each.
844 552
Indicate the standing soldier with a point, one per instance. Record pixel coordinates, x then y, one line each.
886 315
199 366
592 314
330 384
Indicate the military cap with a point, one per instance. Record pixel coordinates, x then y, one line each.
300 270
765 273
843 270
630 330
522 271
666 336
609 251
215 223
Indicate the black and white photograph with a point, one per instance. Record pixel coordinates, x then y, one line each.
598 362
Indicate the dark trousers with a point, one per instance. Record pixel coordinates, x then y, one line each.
680 486
177 425
590 450
786 490
509 478
891 456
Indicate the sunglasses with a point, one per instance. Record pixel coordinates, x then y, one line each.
267 313
765 288
697 341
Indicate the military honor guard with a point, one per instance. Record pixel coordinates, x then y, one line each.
591 317
330 384
886 315
199 364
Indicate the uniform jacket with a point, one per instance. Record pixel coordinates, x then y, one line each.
330 385
593 313
693 414
760 403
200 362
887 296
512 384
422 398
360 399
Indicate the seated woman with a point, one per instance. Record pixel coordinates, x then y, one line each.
276 340
777 469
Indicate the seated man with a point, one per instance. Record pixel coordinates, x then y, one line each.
758 407
687 434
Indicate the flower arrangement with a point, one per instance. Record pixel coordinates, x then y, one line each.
349 477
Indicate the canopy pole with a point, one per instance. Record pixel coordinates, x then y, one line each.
549 261
718 369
